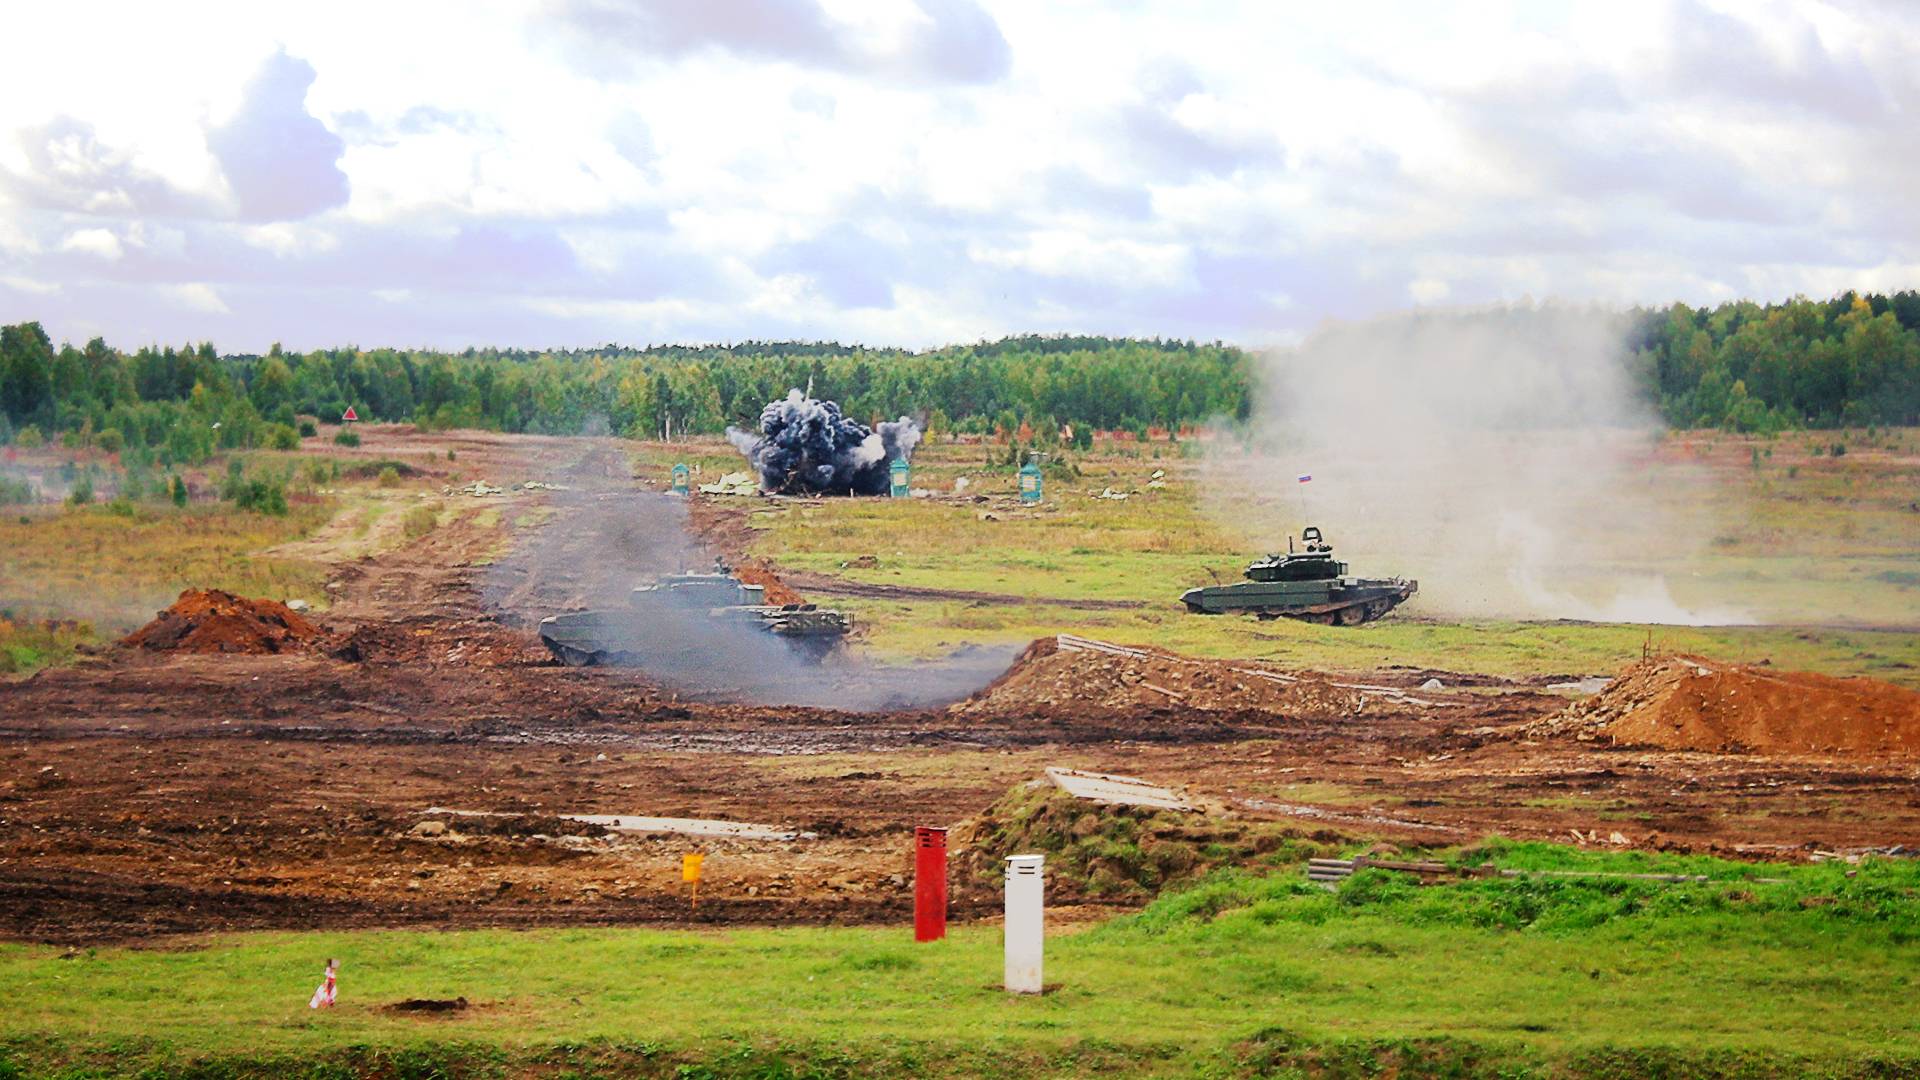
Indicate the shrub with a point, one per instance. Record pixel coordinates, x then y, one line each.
14 491
389 477
29 438
178 489
282 437
307 430
1839 449
450 456
262 497
346 438
82 492
110 440
420 521
121 507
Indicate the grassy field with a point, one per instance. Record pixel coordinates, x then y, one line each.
1237 976
1833 542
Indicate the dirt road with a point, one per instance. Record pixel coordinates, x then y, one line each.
145 794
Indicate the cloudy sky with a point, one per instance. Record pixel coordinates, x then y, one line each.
571 172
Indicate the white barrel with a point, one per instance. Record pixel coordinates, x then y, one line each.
1026 923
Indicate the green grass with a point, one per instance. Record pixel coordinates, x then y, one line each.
1237 976
115 571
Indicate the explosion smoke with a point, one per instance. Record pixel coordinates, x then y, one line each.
1499 455
807 446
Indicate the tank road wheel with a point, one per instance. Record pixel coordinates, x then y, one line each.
1317 618
571 656
1352 616
1266 616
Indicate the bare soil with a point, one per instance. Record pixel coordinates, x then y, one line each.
156 793
1692 703
211 621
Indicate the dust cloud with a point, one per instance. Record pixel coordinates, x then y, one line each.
1500 455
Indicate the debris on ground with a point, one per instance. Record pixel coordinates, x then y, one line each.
211 621
477 489
1682 702
1070 675
733 483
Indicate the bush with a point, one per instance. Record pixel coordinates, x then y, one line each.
29 438
420 521
346 438
389 477
110 440
282 437
82 492
178 489
14 491
307 430
262 497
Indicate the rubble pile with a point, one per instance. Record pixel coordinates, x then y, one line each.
211 621
1684 702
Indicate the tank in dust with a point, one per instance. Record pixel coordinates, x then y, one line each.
1311 586
655 622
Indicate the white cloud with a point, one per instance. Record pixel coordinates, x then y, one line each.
195 296
100 242
573 171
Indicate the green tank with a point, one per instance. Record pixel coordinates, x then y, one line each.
691 620
1309 585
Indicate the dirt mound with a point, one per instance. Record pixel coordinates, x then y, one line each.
778 592
211 621
1689 703
1069 676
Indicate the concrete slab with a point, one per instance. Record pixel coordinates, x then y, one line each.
1116 790
732 830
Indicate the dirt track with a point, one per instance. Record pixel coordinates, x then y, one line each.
149 793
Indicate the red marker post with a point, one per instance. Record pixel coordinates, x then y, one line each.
929 884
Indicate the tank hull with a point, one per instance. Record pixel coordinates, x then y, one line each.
1344 601
594 638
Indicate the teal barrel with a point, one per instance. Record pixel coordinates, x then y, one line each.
1030 483
899 472
679 479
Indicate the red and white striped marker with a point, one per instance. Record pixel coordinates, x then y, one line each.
323 997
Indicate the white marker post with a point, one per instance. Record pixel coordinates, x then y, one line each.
1026 923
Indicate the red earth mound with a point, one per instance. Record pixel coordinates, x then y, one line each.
1689 703
211 621
1069 675
778 592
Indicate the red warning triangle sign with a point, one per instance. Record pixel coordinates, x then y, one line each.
349 415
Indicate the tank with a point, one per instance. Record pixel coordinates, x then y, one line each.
683 615
1309 585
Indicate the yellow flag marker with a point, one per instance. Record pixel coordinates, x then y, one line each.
690 873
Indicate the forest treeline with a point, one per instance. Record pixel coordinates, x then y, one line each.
1853 359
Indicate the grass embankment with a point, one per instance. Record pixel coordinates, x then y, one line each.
1236 976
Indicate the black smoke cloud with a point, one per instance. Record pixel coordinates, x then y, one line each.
808 446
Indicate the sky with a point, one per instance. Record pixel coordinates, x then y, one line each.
565 173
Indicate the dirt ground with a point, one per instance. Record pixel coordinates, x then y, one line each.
150 793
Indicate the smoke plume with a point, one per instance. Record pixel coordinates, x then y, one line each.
807 446
605 538
1499 455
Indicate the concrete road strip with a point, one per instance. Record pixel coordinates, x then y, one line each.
635 823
